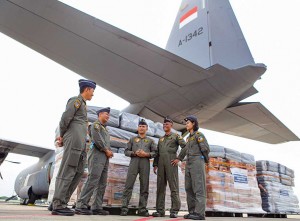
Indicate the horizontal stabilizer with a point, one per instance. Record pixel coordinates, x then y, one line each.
252 121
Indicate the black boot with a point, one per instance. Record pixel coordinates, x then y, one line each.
123 212
83 211
173 215
63 212
50 207
197 216
187 216
144 213
100 212
158 214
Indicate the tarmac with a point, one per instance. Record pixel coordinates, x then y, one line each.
16 212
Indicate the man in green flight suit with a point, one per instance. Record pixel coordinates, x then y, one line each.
73 130
98 160
196 150
140 148
167 151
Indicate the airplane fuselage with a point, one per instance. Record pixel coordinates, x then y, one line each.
33 182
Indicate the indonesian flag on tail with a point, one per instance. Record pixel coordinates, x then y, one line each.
188 17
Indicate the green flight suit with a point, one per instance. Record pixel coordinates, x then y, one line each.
139 166
195 178
167 151
98 168
73 129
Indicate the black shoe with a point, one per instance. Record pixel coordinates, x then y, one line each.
50 207
173 215
123 212
158 214
196 216
187 216
100 212
143 213
63 212
83 211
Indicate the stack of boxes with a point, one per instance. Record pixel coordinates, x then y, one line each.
278 180
231 182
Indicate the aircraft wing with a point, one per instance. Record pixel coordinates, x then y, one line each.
118 61
7 146
156 82
252 121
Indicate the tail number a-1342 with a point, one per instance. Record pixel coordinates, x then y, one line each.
191 36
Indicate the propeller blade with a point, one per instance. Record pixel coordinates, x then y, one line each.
13 161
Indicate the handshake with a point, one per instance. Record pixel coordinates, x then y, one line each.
142 154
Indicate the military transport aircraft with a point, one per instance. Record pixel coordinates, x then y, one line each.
207 68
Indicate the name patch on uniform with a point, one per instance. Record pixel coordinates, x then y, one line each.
77 104
162 139
137 140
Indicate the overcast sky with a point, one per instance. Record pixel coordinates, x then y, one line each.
34 89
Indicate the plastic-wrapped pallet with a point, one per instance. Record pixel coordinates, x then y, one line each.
289 172
281 169
286 180
117 142
114 116
272 166
248 159
129 122
121 134
118 169
151 128
261 165
217 151
279 197
234 155
263 176
159 131
121 150
58 157
232 187
114 149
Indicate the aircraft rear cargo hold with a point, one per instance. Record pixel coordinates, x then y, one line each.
231 176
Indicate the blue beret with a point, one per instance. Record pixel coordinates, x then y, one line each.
106 109
143 122
168 120
191 118
87 83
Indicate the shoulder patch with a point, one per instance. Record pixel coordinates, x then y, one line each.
200 139
97 126
179 137
77 104
198 133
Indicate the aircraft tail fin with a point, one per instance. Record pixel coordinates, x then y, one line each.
206 32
